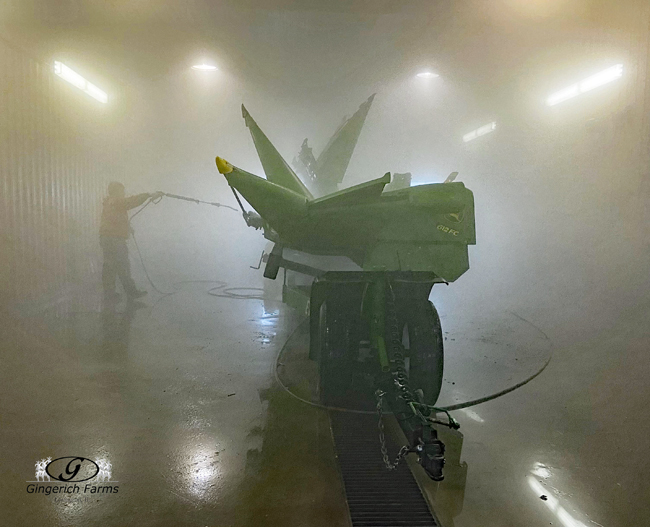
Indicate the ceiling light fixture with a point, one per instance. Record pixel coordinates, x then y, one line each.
204 67
486 129
588 84
427 75
71 76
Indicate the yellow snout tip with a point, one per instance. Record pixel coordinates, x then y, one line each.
223 166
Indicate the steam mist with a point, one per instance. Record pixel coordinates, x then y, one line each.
560 190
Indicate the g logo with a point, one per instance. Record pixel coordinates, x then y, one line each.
72 469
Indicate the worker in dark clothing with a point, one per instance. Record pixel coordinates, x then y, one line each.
113 233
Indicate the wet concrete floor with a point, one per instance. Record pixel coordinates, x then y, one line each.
181 399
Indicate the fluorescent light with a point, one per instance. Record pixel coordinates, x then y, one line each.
427 75
95 92
470 136
71 76
204 67
588 84
486 129
605 76
563 95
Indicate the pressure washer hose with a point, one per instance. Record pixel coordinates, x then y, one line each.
221 290
448 408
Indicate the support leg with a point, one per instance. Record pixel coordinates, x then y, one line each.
109 267
123 267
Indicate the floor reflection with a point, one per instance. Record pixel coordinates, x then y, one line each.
277 490
446 497
201 469
116 329
553 503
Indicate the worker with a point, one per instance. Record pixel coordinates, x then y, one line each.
113 233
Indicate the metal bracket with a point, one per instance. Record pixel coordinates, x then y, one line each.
259 264
274 261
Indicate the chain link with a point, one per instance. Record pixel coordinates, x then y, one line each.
403 391
382 436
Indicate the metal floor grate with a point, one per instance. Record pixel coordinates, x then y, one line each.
377 497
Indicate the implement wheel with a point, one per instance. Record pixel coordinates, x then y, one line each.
426 354
338 343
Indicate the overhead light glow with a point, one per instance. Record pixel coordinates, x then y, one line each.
204 67
473 415
563 95
541 470
418 183
95 92
588 84
427 75
486 129
77 80
566 519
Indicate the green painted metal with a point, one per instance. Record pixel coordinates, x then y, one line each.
324 174
333 161
275 167
297 297
404 240
373 310
422 228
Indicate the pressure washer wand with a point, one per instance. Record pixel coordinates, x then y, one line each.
194 200
252 218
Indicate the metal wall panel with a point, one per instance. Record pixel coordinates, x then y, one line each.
53 173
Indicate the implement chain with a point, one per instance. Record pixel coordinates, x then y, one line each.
400 376
398 370
401 384
382 436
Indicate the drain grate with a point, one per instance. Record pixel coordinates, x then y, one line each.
377 497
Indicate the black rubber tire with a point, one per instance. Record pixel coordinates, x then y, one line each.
337 345
426 361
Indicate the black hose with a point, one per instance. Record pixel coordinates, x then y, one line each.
447 408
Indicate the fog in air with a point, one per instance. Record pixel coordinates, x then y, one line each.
223 383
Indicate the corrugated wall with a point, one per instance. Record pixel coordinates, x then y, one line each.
53 171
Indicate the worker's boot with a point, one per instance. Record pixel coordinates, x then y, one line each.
134 295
